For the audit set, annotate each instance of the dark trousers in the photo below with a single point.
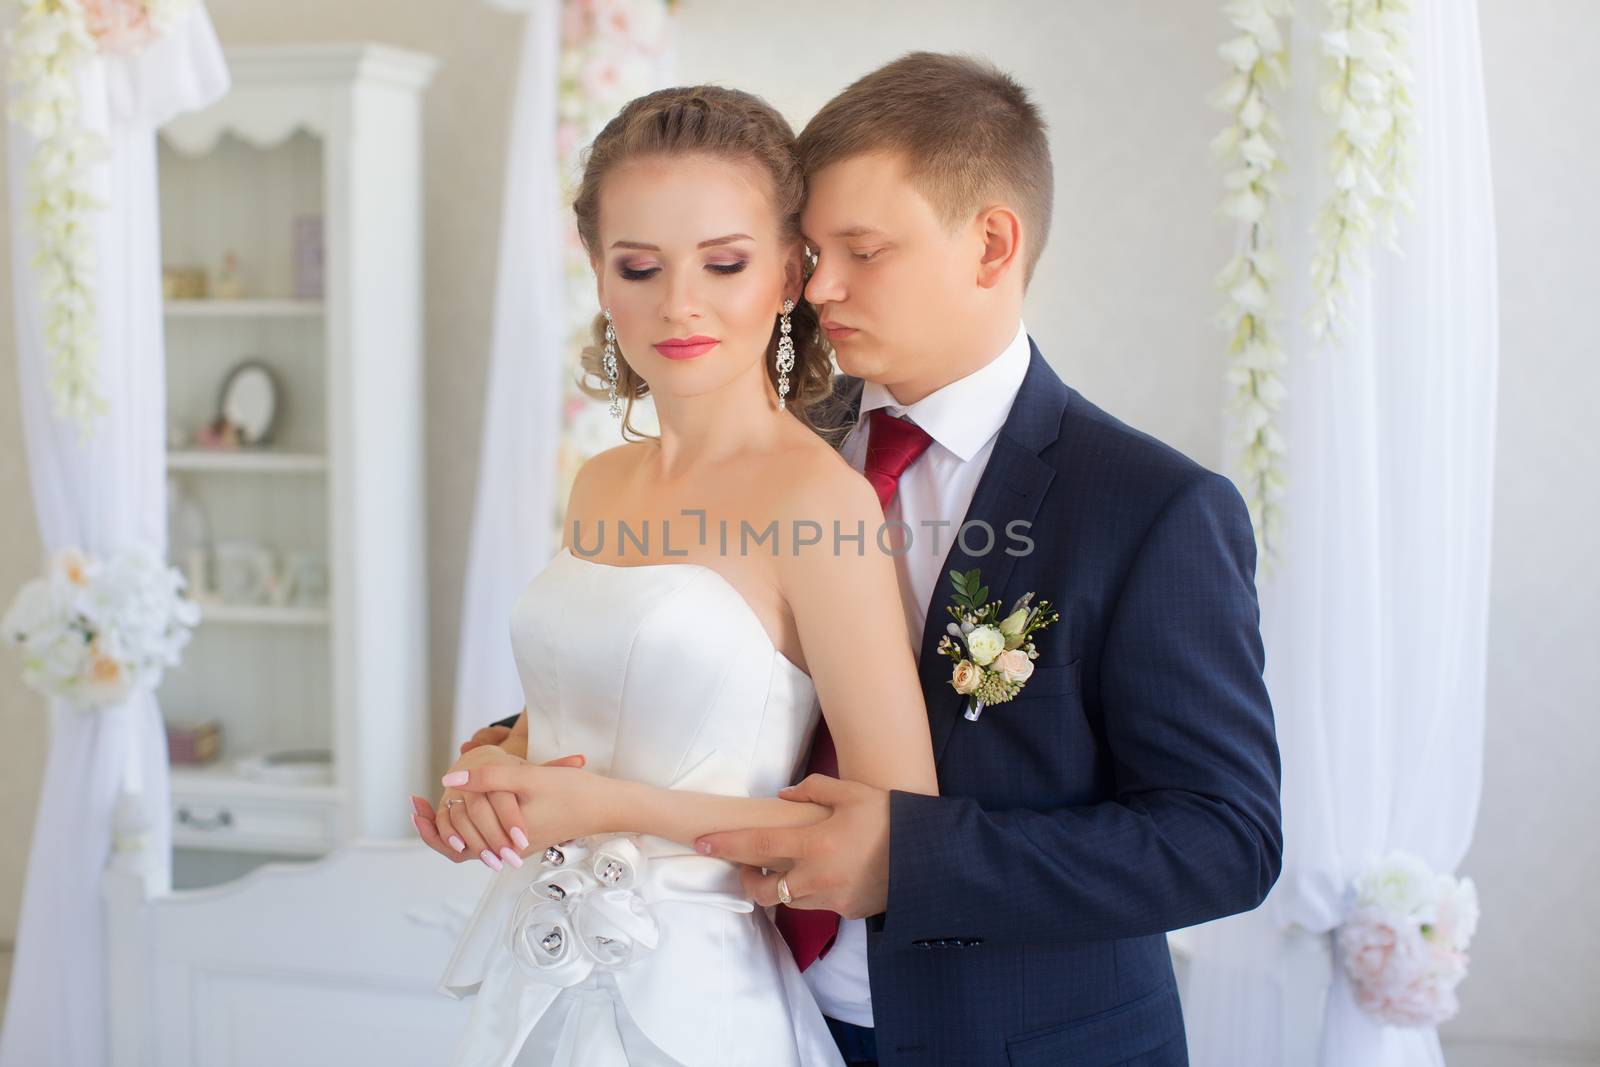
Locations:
(858, 1044)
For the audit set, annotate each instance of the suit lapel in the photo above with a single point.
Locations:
(1010, 489)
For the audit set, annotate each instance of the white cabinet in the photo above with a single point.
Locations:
(329, 132)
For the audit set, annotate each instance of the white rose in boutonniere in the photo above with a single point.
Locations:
(985, 643)
(993, 656)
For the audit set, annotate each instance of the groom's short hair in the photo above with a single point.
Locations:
(968, 132)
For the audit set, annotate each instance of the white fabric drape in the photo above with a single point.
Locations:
(102, 497)
(1375, 620)
(513, 515)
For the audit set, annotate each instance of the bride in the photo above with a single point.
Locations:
(714, 585)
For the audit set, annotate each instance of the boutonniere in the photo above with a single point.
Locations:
(993, 655)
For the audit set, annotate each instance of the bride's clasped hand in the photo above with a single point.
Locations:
(499, 803)
(492, 826)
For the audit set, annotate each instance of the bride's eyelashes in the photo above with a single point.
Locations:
(639, 274)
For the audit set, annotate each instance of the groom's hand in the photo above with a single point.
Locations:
(489, 735)
(839, 864)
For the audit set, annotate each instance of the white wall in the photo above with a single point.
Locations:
(1122, 304)
(1533, 996)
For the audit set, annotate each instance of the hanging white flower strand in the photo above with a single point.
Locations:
(1368, 95)
(49, 45)
(1258, 59)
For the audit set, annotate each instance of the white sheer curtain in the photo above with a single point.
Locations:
(101, 496)
(514, 513)
(1375, 621)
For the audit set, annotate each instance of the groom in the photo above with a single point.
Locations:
(1132, 787)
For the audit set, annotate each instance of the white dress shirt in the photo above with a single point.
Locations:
(963, 418)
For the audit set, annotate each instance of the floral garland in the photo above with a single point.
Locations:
(1368, 95)
(49, 46)
(1258, 59)
(608, 51)
(1371, 160)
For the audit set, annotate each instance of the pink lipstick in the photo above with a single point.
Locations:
(686, 347)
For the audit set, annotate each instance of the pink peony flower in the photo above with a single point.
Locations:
(121, 27)
(1367, 942)
(1423, 1002)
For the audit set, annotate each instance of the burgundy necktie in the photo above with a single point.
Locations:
(892, 446)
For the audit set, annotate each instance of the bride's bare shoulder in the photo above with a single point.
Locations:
(614, 463)
(599, 476)
(818, 483)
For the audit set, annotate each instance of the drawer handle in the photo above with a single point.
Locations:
(224, 818)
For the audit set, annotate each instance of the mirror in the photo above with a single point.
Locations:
(250, 402)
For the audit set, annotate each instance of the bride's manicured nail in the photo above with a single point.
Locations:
(457, 844)
(703, 847)
(519, 837)
(489, 858)
(511, 857)
(454, 778)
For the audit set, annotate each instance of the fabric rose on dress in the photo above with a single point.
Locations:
(583, 911)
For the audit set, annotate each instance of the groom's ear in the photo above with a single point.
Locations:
(1000, 233)
(794, 273)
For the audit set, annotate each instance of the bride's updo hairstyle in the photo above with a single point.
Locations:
(706, 120)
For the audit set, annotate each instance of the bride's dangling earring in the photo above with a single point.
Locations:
(609, 362)
(785, 354)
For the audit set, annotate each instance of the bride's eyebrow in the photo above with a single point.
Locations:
(640, 246)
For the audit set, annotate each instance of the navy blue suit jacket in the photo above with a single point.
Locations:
(1130, 789)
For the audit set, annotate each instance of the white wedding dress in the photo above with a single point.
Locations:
(631, 949)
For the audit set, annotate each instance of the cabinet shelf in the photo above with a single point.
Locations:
(221, 780)
(263, 615)
(244, 309)
(253, 462)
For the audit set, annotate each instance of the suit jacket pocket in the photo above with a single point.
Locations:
(1053, 680)
(1103, 1040)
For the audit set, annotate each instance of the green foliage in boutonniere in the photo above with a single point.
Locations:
(993, 655)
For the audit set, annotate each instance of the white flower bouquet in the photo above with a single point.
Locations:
(1404, 943)
(93, 632)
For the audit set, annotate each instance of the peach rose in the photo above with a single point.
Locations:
(966, 677)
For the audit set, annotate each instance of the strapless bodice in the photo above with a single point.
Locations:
(658, 673)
